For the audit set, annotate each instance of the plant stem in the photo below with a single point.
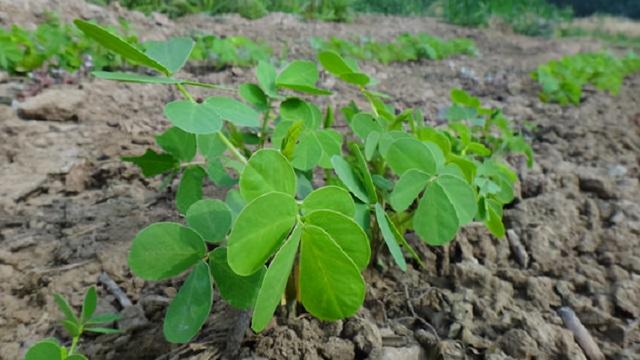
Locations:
(232, 148)
(74, 344)
(185, 93)
(187, 164)
(265, 123)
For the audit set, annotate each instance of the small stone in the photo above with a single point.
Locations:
(338, 349)
(53, 105)
(132, 318)
(626, 295)
(414, 352)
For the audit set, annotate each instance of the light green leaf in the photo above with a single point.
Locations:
(163, 250)
(363, 124)
(334, 64)
(478, 148)
(211, 145)
(331, 198)
(172, 53)
(493, 219)
(388, 138)
(135, 78)
(371, 144)
(267, 170)
(461, 196)
(259, 230)
(44, 350)
(389, 238)
(331, 142)
(362, 169)
(435, 220)
(72, 328)
(407, 189)
(345, 232)
(331, 286)
(153, 163)
(89, 304)
(436, 137)
(349, 178)
(193, 117)
(65, 308)
(275, 281)
(300, 75)
(211, 218)
(217, 173)
(239, 291)
(233, 111)
(178, 143)
(235, 202)
(191, 307)
(254, 95)
(295, 109)
(266, 74)
(308, 152)
(118, 45)
(101, 330)
(190, 188)
(408, 153)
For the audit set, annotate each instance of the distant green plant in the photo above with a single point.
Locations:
(50, 349)
(59, 45)
(615, 39)
(405, 47)
(393, 7)
(283, 234)
(229, 51)
(562, 80)
(529, 17)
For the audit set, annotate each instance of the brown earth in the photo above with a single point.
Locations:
(69, 209)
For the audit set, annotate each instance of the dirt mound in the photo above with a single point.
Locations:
(69, 209)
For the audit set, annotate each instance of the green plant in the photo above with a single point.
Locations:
(87, 321)
(282, 234)
(228, 51)
(405, 47)
(562, 80)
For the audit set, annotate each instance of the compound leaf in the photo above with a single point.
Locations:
(163, 250)
(191, 307)
(239, 291)
(275, 281)
(266, 171)
(259, 230)
(331, 286)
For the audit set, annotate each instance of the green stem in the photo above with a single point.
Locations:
(265, 124)
(74, 344)
(185, 93)
(232, 148)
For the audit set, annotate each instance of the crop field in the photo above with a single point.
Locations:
(318, 179)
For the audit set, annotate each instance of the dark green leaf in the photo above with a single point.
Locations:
(65, 308)
(210, 218)
(239, 291)
(44, 350)
(89, 304)
(190, 188)
(152, 163)
(178, 143)
(254, 95)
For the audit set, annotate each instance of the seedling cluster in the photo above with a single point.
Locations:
(308, 207)
(405, 47)
(87, 321)
(562, 80)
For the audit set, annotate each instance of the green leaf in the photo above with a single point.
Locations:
(308, 151)
(135, 78)
(389, 237)
(259, 230)
(435, 220)
(178, 143)
(408, 153)
(210, 218)
(172, 53)
(65, 308)
(331, 142)
(300, 75)
(193, 117)
(266, 74)
(44, 350)
(234, 200)
(118, 45)
(233, 111)
(218, 174)
(72, 328)
(211, 145)
(191, 307)
(275, 281)
(89, 304)
(163, 250)
(467, 166)
(371, 144)
(331, 286)
(478, 148)
(436, 137)
(103, 319)
(330, 198)
(334, 64)
(254, 95)
(295, 109)
(363, 124)
(102, 330)
(349, 178)
(388, 138)
(267, 170)
(153, 163)
(407, 189)
(362, 168)
(239, 291)
(493, 220)
(190, 188)
(461, 196)
(345, 232)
